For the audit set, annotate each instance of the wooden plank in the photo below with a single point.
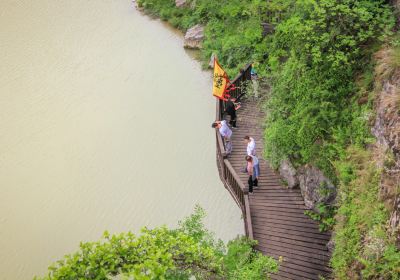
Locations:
(306, 263)
(263, 194)
(260, 205)
(296, 245)
(265, 241)
(282, 217)
(293, 232)
(285, 225)
(300, 255)
(269, 200)
(302, 270)
(300, 240)
(263, 245)
(274, 207)
(275, 197)
(294, 228)
(289, 216)
(278, 191)
(297, 274)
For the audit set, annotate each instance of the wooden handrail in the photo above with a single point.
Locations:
(247, 218)
(220, 143)
(235, 175)
(228, 174)
(241, 74)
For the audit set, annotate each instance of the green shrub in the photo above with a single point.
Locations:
(233, 29)
(314, 57)
(162, 253)
(325, 215)
(362, 245)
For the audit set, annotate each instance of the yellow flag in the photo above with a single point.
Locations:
(220, 80)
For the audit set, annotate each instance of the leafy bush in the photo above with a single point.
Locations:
(243, 262)
(233, 31)
(162, 253)
(363, 249)
(324, 215)
(314, 57)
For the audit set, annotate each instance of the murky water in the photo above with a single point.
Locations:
(104, 125)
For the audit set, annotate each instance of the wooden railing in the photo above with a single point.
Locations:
(230, 178)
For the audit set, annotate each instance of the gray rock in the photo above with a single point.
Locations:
(387, 122)
(396, 5)
(331, 244)
(180, 3)
(394, 221)
(384, 114)
(387, 132)
(315, 187)
(212, 59)
(194, 37)
(289, 174)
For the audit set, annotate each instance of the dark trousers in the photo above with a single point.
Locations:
(232, 122)
(252, 183)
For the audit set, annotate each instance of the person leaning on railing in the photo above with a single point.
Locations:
(231, 108)
(226, 133)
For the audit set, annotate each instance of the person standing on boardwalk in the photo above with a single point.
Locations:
(253, 170)
(254, 79)
(256, 168)
(226, 133)
(230, 109)
(251, 145)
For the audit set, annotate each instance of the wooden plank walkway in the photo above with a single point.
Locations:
(277, 213)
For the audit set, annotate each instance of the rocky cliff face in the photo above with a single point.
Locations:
(386, 129)
(289, 174)
(315, 187)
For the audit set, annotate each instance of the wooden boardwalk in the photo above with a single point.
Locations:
(277, 213)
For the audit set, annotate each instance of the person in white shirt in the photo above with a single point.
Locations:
(251, 145)
(225, 132)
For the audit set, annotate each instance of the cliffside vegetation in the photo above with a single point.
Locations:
(318, 59)
(162, 253)
(233, 29)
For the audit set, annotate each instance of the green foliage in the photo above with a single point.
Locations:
(162, 253)
(315, 54)
(233, 29)
(363, 249)
(325, 215)
(317, 50)
(243, 262)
